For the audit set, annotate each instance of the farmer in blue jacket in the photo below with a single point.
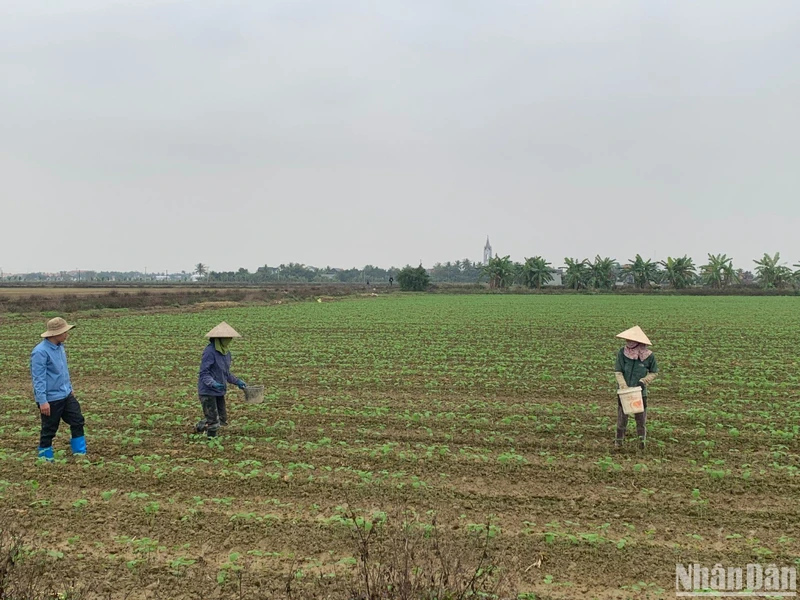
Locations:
(52, 390)
(215, 372)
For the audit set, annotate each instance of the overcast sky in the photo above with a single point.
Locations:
(158, 134)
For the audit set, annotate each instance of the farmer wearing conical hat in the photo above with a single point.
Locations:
(636, 366)
(215, 372)
(52, 389)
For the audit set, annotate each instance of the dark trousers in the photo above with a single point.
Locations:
(215, 414)
(622, 423)
(68, 410)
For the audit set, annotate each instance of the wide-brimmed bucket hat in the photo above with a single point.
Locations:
(223, 330)
(635, 334)
(56, 327)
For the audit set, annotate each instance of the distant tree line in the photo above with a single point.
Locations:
(289, 273)
(601, 273)
(98, 277)
(459, 271)
(297, 273)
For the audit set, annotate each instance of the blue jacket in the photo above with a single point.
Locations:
(214, 367)
(49, 372)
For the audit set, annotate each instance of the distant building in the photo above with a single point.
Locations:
(331, 274)
(558, 278)
(487, 252)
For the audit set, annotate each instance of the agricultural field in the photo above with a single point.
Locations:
(17, 291)
(467, 434)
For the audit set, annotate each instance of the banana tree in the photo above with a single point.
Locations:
(645, 272)
(500, 271)
(578, 273)
(719, 272)
(772, 274)
(603, 273)
(536, 272)
(679, 272)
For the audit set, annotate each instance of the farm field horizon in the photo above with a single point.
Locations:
(488, 419)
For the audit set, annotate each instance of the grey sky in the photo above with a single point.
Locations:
(160, 134)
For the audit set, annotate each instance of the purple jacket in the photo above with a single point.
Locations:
(214, 367)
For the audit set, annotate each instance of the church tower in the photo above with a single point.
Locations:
(487, 252)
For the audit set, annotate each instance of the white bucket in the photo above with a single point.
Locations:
(631, 400)
(254, 394)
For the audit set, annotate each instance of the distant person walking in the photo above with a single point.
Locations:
(52, 390)
(215, 371)
(635, 366)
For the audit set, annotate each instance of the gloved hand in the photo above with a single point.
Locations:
(220, 387)
(620, 380)
(240, 384)
(648, 379)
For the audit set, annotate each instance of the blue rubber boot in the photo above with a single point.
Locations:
(78, 445)
(46, 453)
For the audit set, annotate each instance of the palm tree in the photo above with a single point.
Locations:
(578, 273)
(644, 272)
(719, 271)
(603, 272)
(500, 271)
(771, 274)
(200, 269)
(536, 272)
(679, 272)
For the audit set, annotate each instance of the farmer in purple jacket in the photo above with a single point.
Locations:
(215, 372)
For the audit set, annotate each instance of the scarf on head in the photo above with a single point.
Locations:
(636, 351)
(223, 345)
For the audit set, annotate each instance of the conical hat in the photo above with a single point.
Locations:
(223, 330)
(635, 334)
